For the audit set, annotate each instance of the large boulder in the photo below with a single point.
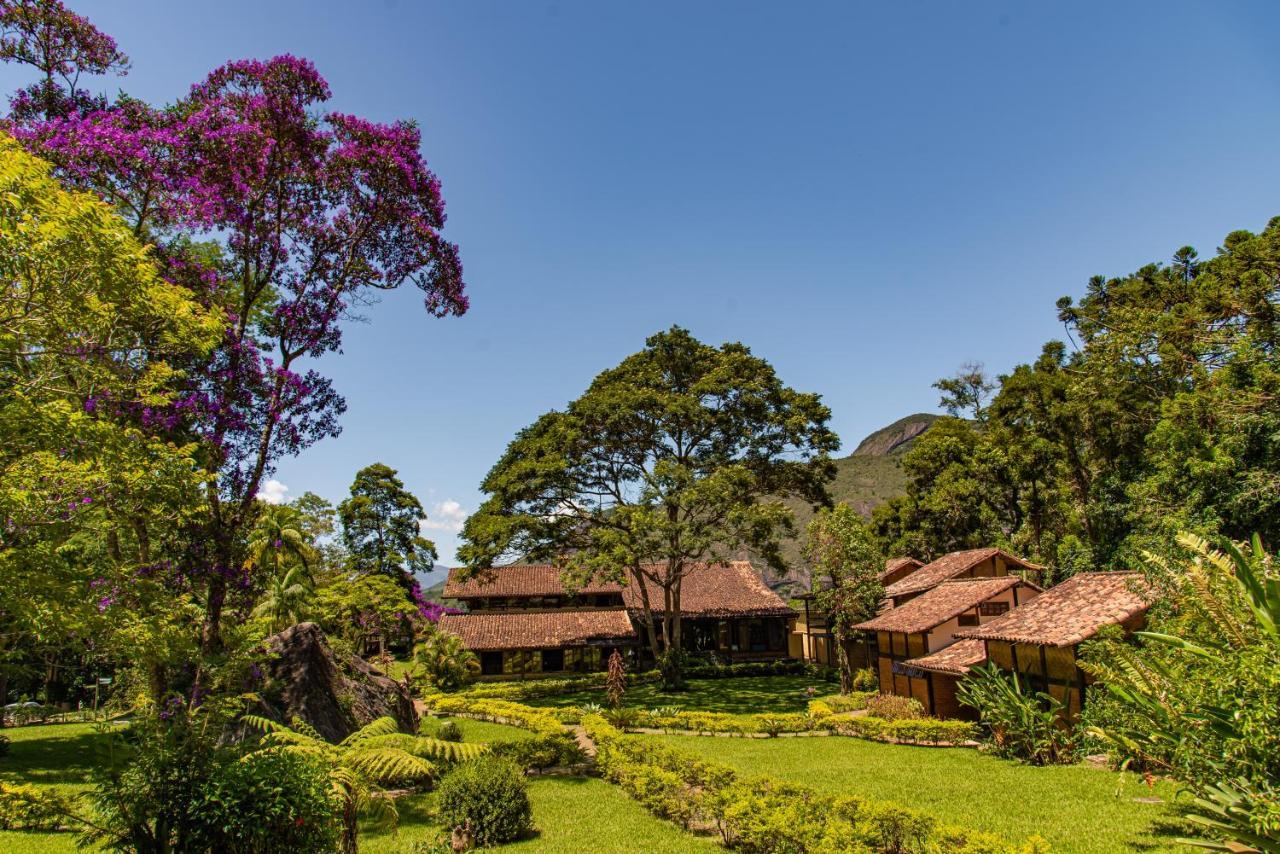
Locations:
(333, 692)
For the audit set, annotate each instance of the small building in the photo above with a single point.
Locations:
(521, 619)
(929, 622)
(1041, 639)
(973, 563)
(812, 638)
(944, 669)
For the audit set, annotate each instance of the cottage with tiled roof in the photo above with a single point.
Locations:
(522, 620)
(928, 623)
(1040, 640)
(972, 563)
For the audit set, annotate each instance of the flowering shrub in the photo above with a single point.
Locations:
(891, 707)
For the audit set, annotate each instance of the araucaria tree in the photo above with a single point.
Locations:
(846, 564)
(268, 210)
(380, 527)
(679, 456)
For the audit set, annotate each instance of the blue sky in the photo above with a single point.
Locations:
(867, 195)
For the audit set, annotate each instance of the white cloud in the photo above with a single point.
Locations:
(445, 516)
(273, 492)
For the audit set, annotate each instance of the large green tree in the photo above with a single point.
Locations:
(380, 527)
(846, 564)
(679, 456)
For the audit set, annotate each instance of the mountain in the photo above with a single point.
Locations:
(865, 479)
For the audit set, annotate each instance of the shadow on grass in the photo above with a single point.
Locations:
(57, 759)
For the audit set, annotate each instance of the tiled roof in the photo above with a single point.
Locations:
(1071, 612)
(516, 581)
(957, 658)
(949, 566)
(708, 590)
(897, 564)
(933, 608)
(495, 630)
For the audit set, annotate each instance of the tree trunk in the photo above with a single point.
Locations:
(842, 659)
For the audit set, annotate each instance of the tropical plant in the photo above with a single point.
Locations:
(1020, 723)
(278, 541)
(615, 685)
(287, 598)
(443, 660)
(365, 763)
(1200, 698)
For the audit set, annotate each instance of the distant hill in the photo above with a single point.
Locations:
(865, 479)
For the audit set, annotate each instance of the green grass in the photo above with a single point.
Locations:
(1075, 808)
(571, 814)
(58, 756)
(742, 695)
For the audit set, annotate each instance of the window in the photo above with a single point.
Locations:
(992, 609)
(552, 660)
(968, 619)
(491, 663)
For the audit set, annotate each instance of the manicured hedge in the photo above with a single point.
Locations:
(912, 730)
(764, 816)
(498, 711)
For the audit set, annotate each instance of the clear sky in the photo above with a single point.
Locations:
(866, 195)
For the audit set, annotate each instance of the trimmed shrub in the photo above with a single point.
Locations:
(487, 800)
(853, 702)
(498, 711)
(917, 730)
(866, 680)
(449, 731)
(545, 751)
(891, 707)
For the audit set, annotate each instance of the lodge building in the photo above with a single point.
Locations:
(521, 620)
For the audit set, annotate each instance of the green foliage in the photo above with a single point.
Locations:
(544, 751)
(891, 707)
(487, 799)
(368, 611)
(845, 566)
(1031, 726)
(500, 711)
(444, 662)
(30, 808)
(268, 801)
(906, 730)
(680, 455)
(380, 524)
(449, 731)
(865, 679)
(1200, 698)
(615, 684)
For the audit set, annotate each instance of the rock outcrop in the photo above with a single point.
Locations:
(335, 693)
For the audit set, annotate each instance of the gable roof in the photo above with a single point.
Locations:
(1071, 612)
(944, 602)
(949, 566)
(708, 590)
(518, 580)
(498, 630)
(896, 565)
(955, 659)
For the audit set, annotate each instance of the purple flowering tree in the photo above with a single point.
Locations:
(281, 215)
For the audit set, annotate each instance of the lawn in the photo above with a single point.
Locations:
(740, 695)
(1076, 808)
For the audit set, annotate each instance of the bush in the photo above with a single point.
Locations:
(449, 731)
(891, 707)
(917, 730)
(545, 751)
(857, 701)
(25, 807)
(487, 799)
(444, 662)
(500, 711)
(866, 680)
(268, 801)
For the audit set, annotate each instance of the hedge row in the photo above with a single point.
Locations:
(540, 721)
(765, 816)
(912, 730)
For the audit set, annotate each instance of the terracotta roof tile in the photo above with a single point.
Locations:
(715, 590)
(957, 658)
(895, 566)
(949, 566)
(1071, 612)
(933, 608)
(495, 630)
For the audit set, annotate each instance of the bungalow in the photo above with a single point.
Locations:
(898, 568)
(974, 563)
(928, 624)
(812, 638)
(521, 620)
(1041, 640)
